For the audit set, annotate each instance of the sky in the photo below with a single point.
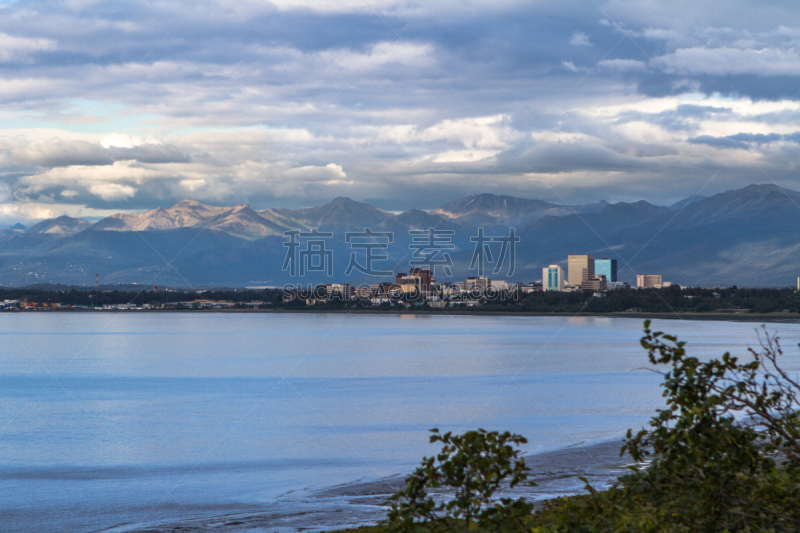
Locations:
(115, 106)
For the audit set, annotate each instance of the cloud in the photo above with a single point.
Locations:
(379, 55)
(14, 48)
(55, 152)
(193, 185)
(569, 65)
(622, 65)
(744, 140)
(579, 39)
(330, 174)
(725, 61)
(29, 211)
(401, 103)
(112, 191)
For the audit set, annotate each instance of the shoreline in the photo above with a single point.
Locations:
(787, 318)
(362, 502)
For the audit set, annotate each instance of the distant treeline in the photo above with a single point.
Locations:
(666, 300)
(82, 297)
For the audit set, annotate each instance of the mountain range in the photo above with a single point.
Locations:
(747, 237)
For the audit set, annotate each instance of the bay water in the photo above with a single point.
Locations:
(115, 420)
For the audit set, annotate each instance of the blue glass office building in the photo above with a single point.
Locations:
(607, 267)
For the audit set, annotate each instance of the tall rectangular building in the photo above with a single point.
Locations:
(579, 268)
(606, 267)
(553, 278)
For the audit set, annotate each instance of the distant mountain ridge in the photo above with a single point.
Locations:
(486, 210)
(62, 225)
(492, 210)
(748, 236)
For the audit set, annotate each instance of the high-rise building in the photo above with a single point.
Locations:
(553, 278)
(409, 284)
(648, 281)
(579, 268)
(606, 267)
(425, 277)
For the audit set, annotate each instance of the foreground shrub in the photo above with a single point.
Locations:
(470, 469)
(723, 455)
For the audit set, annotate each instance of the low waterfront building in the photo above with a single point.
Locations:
(648, 281)
(531, 287)
(595, 283)
(341, 291)
(365, 293)
(477, 284)
(500, 285)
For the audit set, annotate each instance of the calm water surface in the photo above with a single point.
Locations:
(126, 418)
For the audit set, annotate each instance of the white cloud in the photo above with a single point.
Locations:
(25, 211)
(464, 156)
(380, 54)
(331, 174)
(479, 132)
(622, 65)
(384, 7)
(731, 61)
(112, 191)
(19, 48)
(579, 39)
(120, 140)
(193, 185)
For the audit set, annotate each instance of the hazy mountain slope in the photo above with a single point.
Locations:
(75, 259)
(62, 225)
(155, 220)
(416, 219)
(489, 210)
(749, 236)
(188, 213)
(185, 213)
(677, 206)
(341, 214)
(615, 232)
(284, 220)
(244, 222)
(754, 200)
